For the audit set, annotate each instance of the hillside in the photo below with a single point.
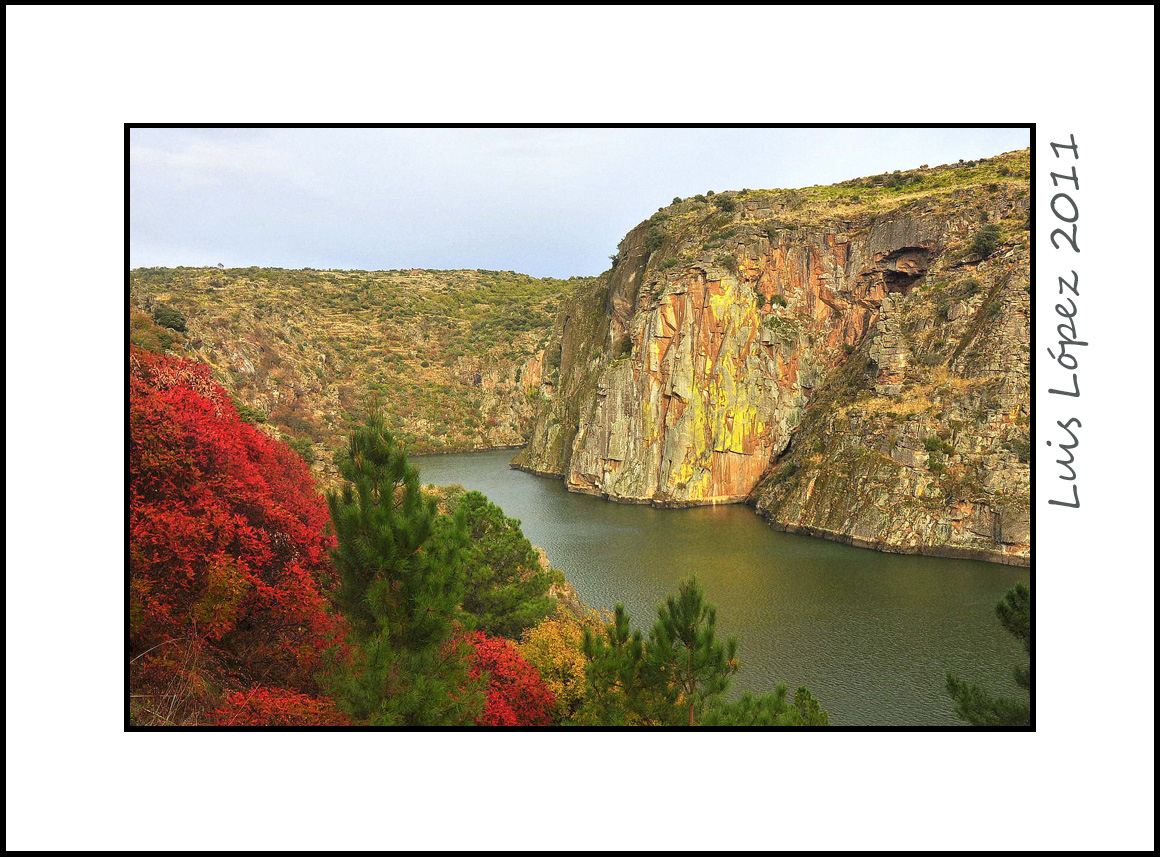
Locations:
(853, 360)
(454, 356)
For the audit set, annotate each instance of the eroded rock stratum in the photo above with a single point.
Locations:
(852, 360)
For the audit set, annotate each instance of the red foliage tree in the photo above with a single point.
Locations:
(276, 706)
(516, 695)
(228, 553)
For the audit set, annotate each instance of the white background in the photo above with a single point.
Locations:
(1084, 780)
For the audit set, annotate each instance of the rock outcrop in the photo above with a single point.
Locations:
(853, 363)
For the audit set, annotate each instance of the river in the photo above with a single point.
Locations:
(872, 635)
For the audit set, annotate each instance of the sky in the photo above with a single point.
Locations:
(541, 201)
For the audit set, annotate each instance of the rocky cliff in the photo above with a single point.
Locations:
(853, 360)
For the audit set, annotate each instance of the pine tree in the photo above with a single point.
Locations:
(505, 589)
(400, 584)
(768, 709)
(680, 675)
(684, 652)
(621, 690)
(977, 706)
(669, 680)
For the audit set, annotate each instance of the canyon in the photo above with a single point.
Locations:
(851, 360)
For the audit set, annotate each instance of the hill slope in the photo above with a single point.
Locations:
(453, 355)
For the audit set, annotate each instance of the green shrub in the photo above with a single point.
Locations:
(778, 300)
(505, 591)
(786, 472)
(167, 316)
(1022, 449)
(781, 330)
(145, 333)
(985, 240)
(303, 446)
(934, 444)
(724, 203)
(248, 414)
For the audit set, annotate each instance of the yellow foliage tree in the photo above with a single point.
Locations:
(555, 648)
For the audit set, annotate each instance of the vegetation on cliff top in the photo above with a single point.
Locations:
(687, 232)
(939, 187)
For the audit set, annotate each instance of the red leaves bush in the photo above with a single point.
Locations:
(229, 568)
(516, 695)
(275, 706)
(228, 554)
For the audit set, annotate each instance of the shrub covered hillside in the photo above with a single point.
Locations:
(453, 355)
(254, 602)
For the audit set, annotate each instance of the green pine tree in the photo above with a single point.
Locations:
(622, 691)
(400, 579)
(768, 709)
(680, 675)
(977, 706)
(505, 589)
(684, 653)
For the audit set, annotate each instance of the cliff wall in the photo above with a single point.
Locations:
(851, 360)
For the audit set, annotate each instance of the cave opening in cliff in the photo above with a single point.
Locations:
(900, 281)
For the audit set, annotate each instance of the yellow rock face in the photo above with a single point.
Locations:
(712, 385)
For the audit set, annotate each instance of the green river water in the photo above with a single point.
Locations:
(871, 634)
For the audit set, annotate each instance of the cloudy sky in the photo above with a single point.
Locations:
(548, 202)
